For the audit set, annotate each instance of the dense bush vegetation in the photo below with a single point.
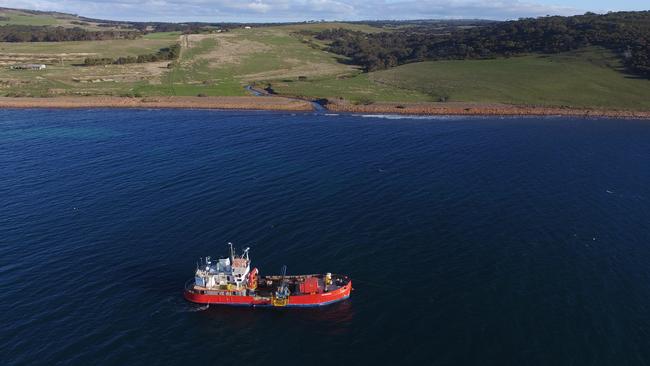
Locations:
(164, 54)
(28, 33)
(627, 33)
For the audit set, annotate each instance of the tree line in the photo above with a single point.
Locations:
(626, 33)
(164, 54)
(29, 33)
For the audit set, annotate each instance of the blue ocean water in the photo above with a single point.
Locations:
(491, 241)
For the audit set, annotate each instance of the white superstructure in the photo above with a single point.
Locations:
(226, 273)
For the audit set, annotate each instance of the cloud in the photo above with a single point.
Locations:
(293, 10)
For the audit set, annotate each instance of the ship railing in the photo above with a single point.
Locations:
(291, 277)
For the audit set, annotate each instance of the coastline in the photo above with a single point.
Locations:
(479, 109)
(233, 103)
(279, 103)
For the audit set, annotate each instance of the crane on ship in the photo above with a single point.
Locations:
(281, 295)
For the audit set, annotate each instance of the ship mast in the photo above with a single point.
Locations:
(244, 254)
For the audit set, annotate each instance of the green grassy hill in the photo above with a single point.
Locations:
(11, 18)
(223, 64)
(585, 78)
(40, 18)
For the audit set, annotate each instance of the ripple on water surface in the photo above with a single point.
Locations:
(469, 240)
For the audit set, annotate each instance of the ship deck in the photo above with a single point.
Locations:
(267, 285)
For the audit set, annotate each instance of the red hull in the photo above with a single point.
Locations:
(318, 299)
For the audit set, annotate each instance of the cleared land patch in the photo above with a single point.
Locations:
(63, 76)
(112, 48)
(224, 63)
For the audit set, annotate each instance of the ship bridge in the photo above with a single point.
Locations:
(226, 272)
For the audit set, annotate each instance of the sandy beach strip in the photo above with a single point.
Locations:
(238, 103)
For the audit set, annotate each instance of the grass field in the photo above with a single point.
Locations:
(112, 48)
(26, 19)
(64, 77)
(19, 17)
(584, 78)
(357, 87)
(223, 64)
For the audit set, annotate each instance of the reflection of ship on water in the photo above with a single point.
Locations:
(333, 320)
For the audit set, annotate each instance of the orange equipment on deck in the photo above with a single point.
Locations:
(310, 286)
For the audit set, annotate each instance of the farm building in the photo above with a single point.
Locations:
(28, 67)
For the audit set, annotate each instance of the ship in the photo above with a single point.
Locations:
(231, 281)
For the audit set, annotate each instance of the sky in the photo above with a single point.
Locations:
(301, 10)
